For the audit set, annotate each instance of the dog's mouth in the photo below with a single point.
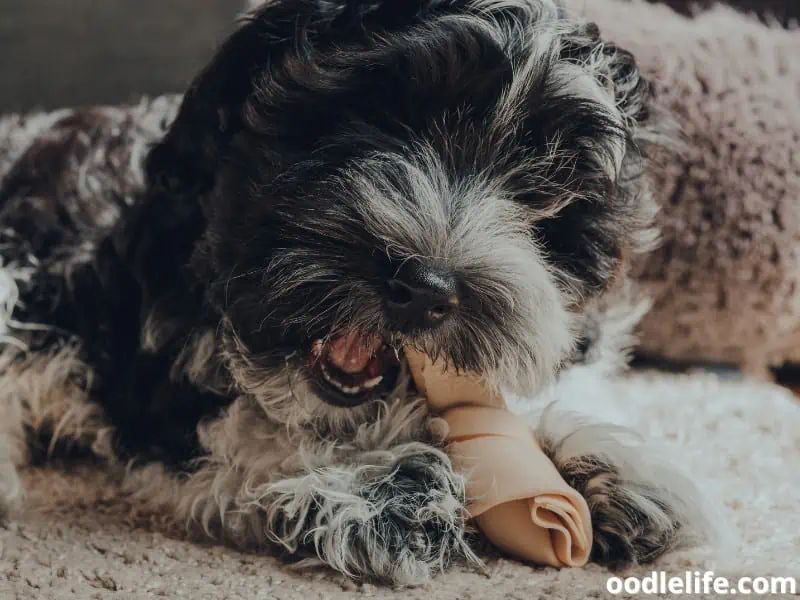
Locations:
(352, 369)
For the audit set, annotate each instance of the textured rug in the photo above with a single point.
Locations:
(740, 439)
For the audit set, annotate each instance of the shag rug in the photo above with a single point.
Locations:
(739, 438)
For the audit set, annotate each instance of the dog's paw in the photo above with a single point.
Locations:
(642, 504)
(418, 524)
(632, 523)
(391, 516)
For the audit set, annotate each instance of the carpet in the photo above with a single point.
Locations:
(741, 440)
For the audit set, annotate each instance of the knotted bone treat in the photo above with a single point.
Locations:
(517, 497)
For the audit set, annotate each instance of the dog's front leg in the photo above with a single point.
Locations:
(382, 503)
(642, 506)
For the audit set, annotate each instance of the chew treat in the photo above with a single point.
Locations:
(517, 497)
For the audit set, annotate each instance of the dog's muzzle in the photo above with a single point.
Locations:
(351, 368)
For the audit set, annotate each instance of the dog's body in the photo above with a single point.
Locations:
(228, 332)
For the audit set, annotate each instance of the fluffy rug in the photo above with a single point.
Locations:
(741, 440)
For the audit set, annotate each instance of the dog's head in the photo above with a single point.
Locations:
(461, 176)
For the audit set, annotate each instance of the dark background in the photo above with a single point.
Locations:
(67, 52)
(70, 52)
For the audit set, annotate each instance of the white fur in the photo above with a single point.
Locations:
(267, 484)
(11, 434)
(449, 222)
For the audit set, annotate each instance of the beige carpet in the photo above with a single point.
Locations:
(742, 440)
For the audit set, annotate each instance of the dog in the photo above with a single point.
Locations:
(346, 179)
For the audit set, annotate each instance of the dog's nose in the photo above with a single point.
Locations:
(421, 296)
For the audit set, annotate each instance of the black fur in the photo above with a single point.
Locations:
(242, 173)
(619, 541)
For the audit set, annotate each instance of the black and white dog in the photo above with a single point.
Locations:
(345, 179)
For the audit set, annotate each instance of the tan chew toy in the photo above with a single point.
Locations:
(518, 499)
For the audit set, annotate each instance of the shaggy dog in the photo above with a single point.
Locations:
(343, 180)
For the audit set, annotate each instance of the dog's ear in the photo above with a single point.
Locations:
(615, 68)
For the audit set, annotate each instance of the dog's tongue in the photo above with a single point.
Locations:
(352, 353)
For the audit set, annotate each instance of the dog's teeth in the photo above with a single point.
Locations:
(370, 384)
(325, 374)
(373, 382)
(338, 384)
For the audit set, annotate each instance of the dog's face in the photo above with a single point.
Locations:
(455, 175)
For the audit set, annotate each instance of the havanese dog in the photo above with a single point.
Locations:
(345, 179)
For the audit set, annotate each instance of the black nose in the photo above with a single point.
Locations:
(421, 296)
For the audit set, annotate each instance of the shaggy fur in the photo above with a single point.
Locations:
(171, 323)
